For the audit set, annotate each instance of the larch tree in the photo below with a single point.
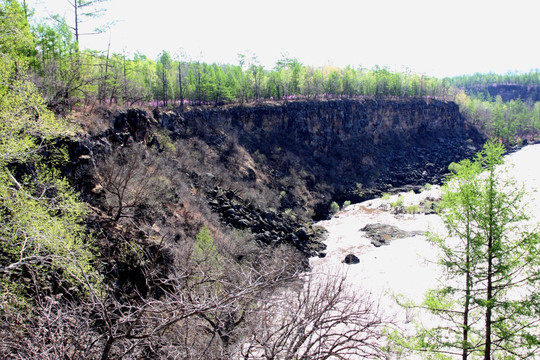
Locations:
(83, 10)
(164, 68)
(488, 304)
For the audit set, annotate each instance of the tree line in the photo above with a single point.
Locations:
(512, 121)
(67, 76)
(479, 79)
(175, 80)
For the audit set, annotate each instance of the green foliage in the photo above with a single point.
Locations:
(413, 209)
(345, 204)
(204, 249)
(334, 207)
(16, 39)
(359, 190)
(41, 218)
(478, 79)
(290, 214)
(164, 139)
(385, 196)
(429, 206)
(399, 201)
(490, 262)
(509, 121)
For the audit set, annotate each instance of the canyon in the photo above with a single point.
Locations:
(381, 143)
(272, 168)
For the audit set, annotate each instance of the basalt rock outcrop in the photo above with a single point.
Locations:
(380, 143)
(268, 227)
(299, 156)
(351, 259)
(383, 234)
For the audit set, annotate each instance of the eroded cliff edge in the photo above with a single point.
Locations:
(252, 174)
(331, 146)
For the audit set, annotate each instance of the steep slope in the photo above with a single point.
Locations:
(328, 147)
(265, 170)
(197, 217)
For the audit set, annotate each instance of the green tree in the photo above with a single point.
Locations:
(454, 302)
(181, 72)
(204, 249)
(16, 38)
(41, 218)
(164, 68)
(333, 85)
(489, 303)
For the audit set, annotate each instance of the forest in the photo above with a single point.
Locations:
(115, 253)
(70, 78)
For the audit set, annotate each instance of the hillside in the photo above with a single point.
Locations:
(310, 153)
(199, 215)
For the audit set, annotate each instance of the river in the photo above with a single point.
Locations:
(407, 266)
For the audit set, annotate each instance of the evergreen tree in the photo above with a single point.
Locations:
(489, 303)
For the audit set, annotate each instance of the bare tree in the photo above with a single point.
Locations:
(323, 320)
(126, 179)
(186, 315)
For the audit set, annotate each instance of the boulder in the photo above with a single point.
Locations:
(383, 234)
(351, 259)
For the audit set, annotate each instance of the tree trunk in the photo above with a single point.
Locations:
(466, 310)
(76, 14)
(490, 249)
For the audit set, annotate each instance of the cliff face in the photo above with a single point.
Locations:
(508, 92)
(263, 169)
(376, 142)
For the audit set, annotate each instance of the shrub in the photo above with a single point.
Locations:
(345, 204)
(359, 190)
(398, 202)
(164, 139)
(413, 209)
(334, 207)
(426, 187)
(290, 214)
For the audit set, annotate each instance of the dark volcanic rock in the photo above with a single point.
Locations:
(383, 234)
(374, 141)
(314, 152)
(132, 123)
(351, 259)
(268, 227)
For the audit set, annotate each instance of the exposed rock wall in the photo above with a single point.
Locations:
(298, 156)
(376, 142)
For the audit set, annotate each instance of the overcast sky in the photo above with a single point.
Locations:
(433, 37)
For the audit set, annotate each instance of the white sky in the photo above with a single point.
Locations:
(434, 37)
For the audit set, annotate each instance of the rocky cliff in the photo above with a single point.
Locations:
(262, 170)
(335, 145)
